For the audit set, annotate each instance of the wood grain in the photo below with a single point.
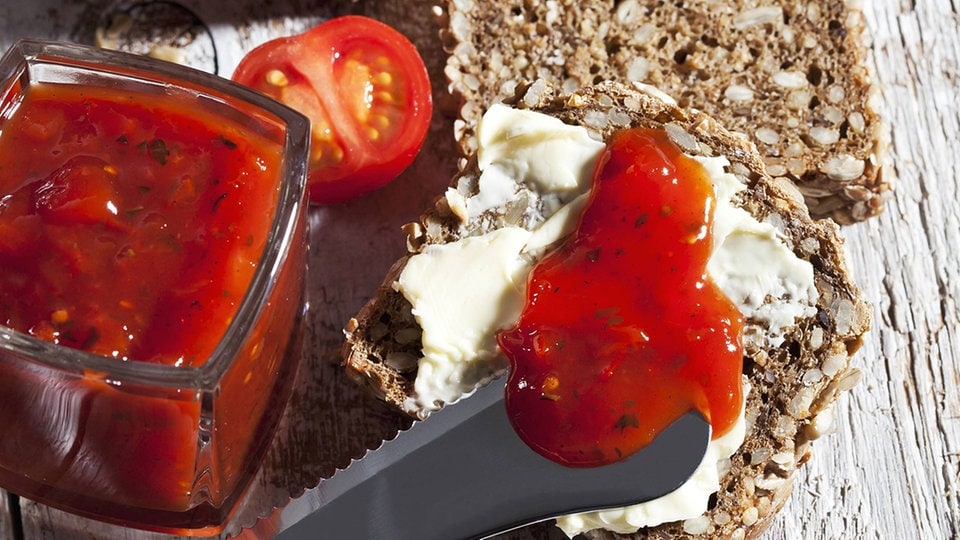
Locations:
(6, 520)
(892, 468)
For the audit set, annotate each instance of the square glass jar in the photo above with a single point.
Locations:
(148, 444)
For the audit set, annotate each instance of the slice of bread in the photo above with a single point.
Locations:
(791, 75)
(793, 385)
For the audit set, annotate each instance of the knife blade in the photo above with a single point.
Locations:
(464, 473)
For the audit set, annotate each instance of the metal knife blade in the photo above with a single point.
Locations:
(464, 473)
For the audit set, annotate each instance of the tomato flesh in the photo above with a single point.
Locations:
(623, 330)
(366, 91)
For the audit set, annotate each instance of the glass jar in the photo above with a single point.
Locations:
(156, 445)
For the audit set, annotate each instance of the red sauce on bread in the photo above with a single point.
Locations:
(128, 229)
(623, 331)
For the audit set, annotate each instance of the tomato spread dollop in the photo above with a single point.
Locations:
(623, 330)
(129, 227)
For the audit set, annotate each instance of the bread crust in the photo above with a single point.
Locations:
(793, 77)
(793, 385)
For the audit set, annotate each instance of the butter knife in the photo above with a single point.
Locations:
(464, 473)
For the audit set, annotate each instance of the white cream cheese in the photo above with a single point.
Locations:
(752, 265)
(542, 150)
(463, 292)
(523, 148)
(461, 295)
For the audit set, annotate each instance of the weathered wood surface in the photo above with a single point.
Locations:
(892, 468)
(6, 520)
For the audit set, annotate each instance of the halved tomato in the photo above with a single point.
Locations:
(366, 91)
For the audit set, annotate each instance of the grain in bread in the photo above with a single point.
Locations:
(793, 385)
(792, 76)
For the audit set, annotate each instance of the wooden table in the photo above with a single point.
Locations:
(891, 470)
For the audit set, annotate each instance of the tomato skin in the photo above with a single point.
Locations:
(366, 91)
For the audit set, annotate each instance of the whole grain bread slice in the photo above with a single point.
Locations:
(793, 76)
(793, 385)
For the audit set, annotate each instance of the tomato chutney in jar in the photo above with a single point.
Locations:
(152, 260)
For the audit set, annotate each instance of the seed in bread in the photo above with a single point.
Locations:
(791, 76)
(793, 382)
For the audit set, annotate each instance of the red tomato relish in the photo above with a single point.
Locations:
(128, 228)
(623, 331)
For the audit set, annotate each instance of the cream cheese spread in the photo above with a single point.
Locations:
(462, 293)
(752, 265)
(541, 150)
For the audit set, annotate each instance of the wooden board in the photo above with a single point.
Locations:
(891, 470)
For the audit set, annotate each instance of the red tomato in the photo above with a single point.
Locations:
(366, 91)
